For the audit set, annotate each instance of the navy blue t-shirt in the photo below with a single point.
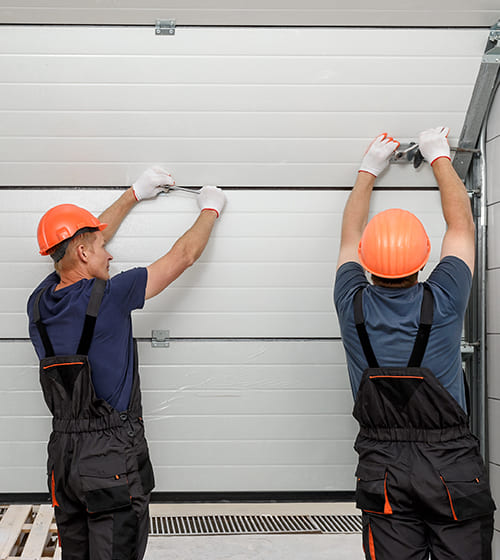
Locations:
(111, 352)
(392, 317)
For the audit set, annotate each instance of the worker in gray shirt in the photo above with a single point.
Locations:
(421, 481)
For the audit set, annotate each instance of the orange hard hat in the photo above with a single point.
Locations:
(394, 244)
(61, 223)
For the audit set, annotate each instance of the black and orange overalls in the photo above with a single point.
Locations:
(421, 481)
(99, 473)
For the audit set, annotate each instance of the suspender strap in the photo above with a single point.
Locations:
(88, 327)
(359, 320)
(49, 350)
(91, 316)
(424, 328)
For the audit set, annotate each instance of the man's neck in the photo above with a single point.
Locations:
(67, 278)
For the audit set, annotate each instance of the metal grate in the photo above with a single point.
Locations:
(345, 524)
(253, 524)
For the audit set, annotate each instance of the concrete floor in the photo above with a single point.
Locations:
(255, 547)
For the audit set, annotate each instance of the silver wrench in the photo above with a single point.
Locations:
(167, 188)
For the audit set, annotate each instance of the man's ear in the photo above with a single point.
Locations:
(81, 252)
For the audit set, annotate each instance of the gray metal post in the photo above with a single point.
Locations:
(474, 136)
(482, 94)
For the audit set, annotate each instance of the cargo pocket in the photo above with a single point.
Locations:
(104, 482)
(467, 490)
(371, 489)
(146, 473)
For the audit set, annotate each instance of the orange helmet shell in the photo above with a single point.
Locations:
(61, 223)
(394, 244)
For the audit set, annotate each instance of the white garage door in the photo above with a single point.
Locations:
(252, 393)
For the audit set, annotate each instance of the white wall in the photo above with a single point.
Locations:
(254, 395)
(493, 310)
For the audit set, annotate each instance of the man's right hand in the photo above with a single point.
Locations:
(433, 143)
(211, 198)
(150, 183)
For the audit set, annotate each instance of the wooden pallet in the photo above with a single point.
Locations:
(28, 532)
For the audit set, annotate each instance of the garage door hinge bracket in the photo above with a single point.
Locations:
(469, 347)
(494, 32)
(160, 339)
(165, 27)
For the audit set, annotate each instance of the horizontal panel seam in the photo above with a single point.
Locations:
(215, 339)
(224, 187)
(255, 26)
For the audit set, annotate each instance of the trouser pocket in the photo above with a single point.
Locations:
(104, 482)
(146, 472)
(371, 488)
(467, 490)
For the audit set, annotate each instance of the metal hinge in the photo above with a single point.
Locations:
(495, 32)
(165, 27)
(160, 339)
(469, 347)
(492, 56)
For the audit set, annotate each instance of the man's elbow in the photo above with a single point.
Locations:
(463, 224)
(189, 255)
(469, 227)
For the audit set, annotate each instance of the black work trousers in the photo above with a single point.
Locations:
(424, 500)
(411, 537)
(105, 536)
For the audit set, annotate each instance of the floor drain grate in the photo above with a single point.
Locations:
(345, 524)
(253, 524)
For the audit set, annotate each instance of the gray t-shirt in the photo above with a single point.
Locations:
(392, 317)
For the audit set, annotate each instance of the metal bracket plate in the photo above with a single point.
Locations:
(492, 56)
(160, 339)
(469, 347)
(165, 27)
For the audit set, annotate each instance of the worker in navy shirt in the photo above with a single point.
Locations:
(99, 473)
(421, 481)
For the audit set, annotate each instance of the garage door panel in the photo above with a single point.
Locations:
(367, 43)
(253, 392)
(258, 478)
(335, 427)
(214, 124)
(261, 406)
(265, 272)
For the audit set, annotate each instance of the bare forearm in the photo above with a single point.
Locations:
(358, 206)
(355, 218)
(454, 198)
(194, 241)
(185, 252)
(116, 213)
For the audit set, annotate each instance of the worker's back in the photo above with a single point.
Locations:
(392, 317)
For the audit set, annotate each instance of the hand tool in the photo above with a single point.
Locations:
(411, 153)
(168, 188)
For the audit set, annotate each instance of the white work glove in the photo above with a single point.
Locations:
(211, 198)
(150, 183)
(377, 155)
(433, 143)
